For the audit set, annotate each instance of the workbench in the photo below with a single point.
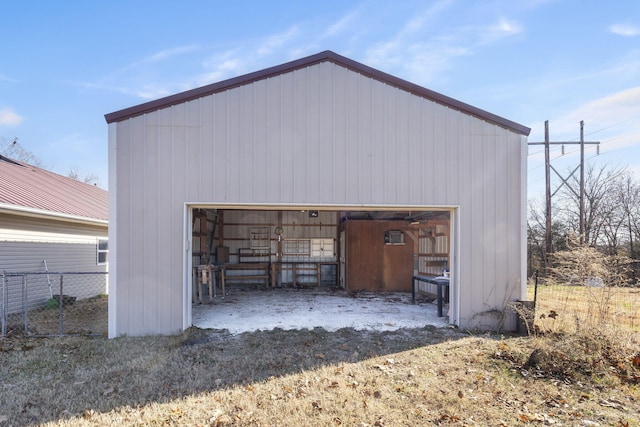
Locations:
(440, 282)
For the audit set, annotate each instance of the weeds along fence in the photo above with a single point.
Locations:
(47, 304)
(568, 308)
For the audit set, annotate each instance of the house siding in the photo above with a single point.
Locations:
(27, 242)
(322, 135)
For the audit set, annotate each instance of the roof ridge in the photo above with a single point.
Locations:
(10, 160)
(323, 56)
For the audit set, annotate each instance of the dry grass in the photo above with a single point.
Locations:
(84, 317)
(568, 308)
(412, 377)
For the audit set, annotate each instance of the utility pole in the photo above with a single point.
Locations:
(582, 182)
(565, 181)
(547, 175)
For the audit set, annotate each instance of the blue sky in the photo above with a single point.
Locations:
(64, 64)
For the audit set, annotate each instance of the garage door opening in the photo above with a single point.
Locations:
(331, 264)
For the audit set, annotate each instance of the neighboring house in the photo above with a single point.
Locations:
(53, 222)
(273, 167)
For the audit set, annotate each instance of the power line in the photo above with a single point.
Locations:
(611, 126)
(565, 181)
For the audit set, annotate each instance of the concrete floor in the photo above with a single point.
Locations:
(250, 309)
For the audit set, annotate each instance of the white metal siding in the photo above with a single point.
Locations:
(322, 135)
(61, 257)
(25, 243)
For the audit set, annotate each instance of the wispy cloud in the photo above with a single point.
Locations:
(147, 78)
(4, 78)
(551, 87)
(626, 30)
(153, 91)
(500, 30)
(409, 29)
(144, 91)
(625, 70)
(222, 65)
(409, 46)
(277, 41)
(246, 58)
(426, 62)
(342, 25)
(421, 48)
(9, 117)
(133, 78)
(424, 48)
(162, 55)
(614, 120)
(422, 20)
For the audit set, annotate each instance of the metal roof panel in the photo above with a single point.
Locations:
(27, 186)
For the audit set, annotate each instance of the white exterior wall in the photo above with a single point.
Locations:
(318, 136)
(26, 242)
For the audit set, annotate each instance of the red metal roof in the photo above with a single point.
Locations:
(45, 192)
(306, 62)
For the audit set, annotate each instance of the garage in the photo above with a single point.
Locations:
(318, 172)
(237, 254)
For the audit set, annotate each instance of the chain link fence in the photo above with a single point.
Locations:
(47, 304)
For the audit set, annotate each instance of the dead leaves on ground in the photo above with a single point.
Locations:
(447, 417)
(591, 365)
(365, 389)
(460, 382)
(538, 418)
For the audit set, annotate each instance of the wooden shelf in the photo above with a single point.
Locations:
(247, 267)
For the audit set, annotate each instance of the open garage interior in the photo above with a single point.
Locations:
(317, 268)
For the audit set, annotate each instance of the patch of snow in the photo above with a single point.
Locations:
(265, 309)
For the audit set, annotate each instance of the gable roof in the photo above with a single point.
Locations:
(33, 191)
(306, 62)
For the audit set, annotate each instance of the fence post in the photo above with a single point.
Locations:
(535, 290)
(61, 306)
(2, 304)
(25, 303)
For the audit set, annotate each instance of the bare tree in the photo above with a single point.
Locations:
(90, 178)
(630, 203)
(15, 151)
(601, 207)
(611, 222)
(536, 257)
(581, 263)
(536, 236)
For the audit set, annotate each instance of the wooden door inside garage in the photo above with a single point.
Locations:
(373, 264)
